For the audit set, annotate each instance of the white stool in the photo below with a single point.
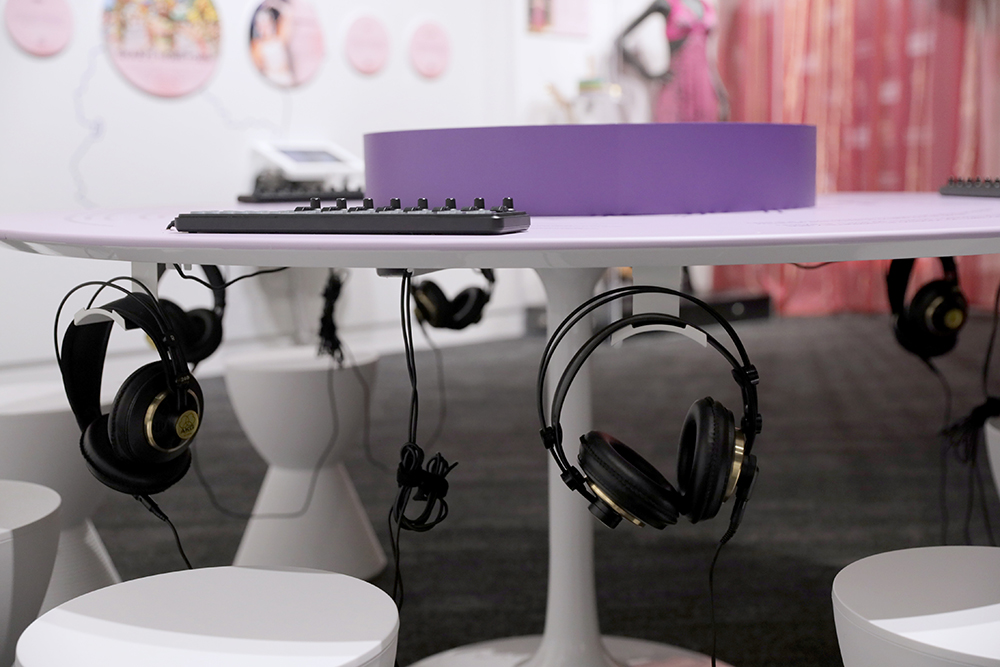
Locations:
(40, 442)
(29, 535)
(219, 617)
(927, 607)
(282, 400)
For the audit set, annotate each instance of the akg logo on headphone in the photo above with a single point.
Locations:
(187, 425)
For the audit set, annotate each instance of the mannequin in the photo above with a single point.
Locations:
(691, 89)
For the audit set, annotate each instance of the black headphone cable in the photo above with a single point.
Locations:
(330, 344)
(205, 283)
(963, 439)
(427, 485)
(744, 489)
(313, 480)
(155, 510)
(442, 387)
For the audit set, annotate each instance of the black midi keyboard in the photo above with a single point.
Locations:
(365, 219)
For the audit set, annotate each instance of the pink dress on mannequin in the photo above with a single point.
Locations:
(690, 95)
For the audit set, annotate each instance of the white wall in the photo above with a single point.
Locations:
(74, 133)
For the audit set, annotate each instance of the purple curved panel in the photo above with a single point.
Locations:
(599, 169)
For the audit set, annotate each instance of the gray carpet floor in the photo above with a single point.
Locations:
(850, 467)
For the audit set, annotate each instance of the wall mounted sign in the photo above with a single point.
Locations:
(367, 45)
(430, 51)
(563, 17)
(286, 42)
(166, 49)
(40, 27)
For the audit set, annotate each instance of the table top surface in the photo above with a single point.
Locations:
(842, 226)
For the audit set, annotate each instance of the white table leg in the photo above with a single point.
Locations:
(571, 637)
(147, 274)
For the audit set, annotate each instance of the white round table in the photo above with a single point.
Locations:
(569, 254)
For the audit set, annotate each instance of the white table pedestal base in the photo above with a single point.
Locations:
(515, 651)
(572, 636)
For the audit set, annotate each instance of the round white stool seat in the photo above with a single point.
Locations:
(926, 607)
(29, 536)
(217, 617)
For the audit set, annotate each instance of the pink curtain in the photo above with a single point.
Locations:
(903, 93)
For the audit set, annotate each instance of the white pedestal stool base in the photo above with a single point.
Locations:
(333, 534)
(299, 410)
(82, 565)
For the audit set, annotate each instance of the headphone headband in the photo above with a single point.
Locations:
(218, 283)
(84, 350)
(750, 424)
(635, 321)
(714, 461)
(744, 373)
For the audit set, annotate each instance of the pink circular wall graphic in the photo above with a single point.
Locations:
(429, 50)
(166, 49)
(367, 45)
(286, 42)
(40, 27)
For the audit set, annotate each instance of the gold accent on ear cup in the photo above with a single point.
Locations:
(188, 422)
(625, 513)
(954, 318)
(187, 425)
(739, 444)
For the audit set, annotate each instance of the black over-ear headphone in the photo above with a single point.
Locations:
(200, 329)
(437, 310)
(928, 326)
(714, 460)
(141, 447)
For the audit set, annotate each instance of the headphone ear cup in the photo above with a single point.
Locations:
(146, 390)
(205, 328)
(923, 328)
(467, 307)
(705, 457)
(132, 478)
(628, 480)
(432, 304)
(905, 338)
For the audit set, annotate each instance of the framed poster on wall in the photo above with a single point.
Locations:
(563, 17)
(366, 45)
(286, 41)
(167, 49)
(430, 50)
(39, 27)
